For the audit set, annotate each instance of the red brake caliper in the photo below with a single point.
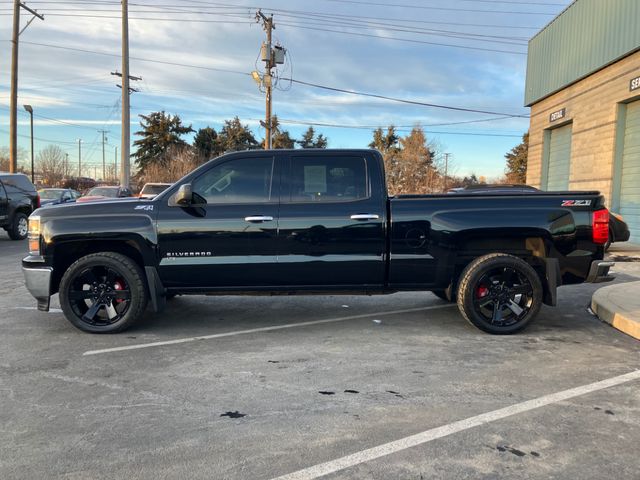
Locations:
(118, 286)
(482, 291)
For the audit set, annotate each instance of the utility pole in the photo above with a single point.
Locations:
(446, 168)
(268, 58)
(104, 168)
(126, 122)
(79, 157)
(13, 108)
(115, 164)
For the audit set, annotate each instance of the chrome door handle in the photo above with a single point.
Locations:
(258, 218)
(365, 216)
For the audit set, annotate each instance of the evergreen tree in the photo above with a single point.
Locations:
(415, 163)
(234, 136)
(517, 161)
(385, 142)
(206, 143)
(159, 132)
(280, 138)
(309, 140)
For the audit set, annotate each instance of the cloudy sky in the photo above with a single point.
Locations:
(194, 57)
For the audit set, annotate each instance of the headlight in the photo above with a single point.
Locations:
(34, 235)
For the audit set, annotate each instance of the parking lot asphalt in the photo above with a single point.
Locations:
(343, 388)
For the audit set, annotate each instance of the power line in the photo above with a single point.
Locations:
(401, 100)
(308, 14)
(315, 85)
(402, 128)
(424, 42)
(369, 127)
(424, 7)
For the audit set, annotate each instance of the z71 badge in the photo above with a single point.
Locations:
(576, 203)
(144, 207)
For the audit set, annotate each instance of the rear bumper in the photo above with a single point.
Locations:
(38, 282)
(599, 272)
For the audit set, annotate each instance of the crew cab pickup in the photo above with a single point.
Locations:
(313, 222)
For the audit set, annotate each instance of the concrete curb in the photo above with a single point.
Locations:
(619, 306)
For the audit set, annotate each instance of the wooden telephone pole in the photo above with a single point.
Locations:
(267, 57)
(13, 109)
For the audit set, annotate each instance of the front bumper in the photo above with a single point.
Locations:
(38, 282)
(599, 272)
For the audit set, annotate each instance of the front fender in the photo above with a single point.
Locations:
(137, 230)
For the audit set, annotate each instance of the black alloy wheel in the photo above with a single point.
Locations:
(503, 296)
(499, 293)
(103, 293)
(100, 295)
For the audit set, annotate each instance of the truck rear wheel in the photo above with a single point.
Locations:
(499, 293)
(103, 293)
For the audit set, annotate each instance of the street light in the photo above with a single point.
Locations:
(79, 157)
(29, 109)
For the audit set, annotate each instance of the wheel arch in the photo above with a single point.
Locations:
(531, 245)
(67, 252)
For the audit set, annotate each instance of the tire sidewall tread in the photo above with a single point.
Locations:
(137, 286)
(471, 274)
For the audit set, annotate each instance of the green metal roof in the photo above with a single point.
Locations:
(586, 36)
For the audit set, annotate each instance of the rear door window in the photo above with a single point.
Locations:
(328, 179)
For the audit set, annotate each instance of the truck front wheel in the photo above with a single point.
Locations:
(499, 293)
(103, 293)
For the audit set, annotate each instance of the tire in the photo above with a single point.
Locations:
(19, 228)
(103, 293)
(499, 294)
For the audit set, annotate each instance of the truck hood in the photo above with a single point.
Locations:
(132, 206)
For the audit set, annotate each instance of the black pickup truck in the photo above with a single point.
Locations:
(309, 222)
(18, 198)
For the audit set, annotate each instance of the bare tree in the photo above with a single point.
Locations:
(111, 176)
(4, 159)
(176, 163)
(52, 165)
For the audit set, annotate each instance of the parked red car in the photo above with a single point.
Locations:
(105, 193)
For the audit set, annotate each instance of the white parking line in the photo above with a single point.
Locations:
(369, 454)
(262, 329)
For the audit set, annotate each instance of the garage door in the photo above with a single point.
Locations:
(630, 178)
(559, 158)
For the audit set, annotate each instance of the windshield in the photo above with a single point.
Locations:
(50, 194)
(103, 192)
(153, 189)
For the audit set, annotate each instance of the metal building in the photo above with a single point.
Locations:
(583, 87)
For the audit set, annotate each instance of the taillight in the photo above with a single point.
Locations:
(37, 201)
(600, 226)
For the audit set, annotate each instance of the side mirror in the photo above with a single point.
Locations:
(185, 197)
